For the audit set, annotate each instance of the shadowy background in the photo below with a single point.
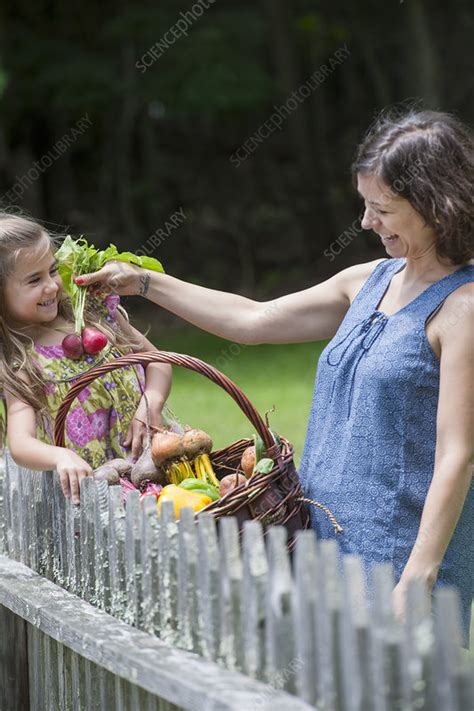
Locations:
(161, 140)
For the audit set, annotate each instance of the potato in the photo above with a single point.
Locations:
(248, 461)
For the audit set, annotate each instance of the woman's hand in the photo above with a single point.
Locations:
(399, 595)
(71, 469)
(118, 277)
(136, 437)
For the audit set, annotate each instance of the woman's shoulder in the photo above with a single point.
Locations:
(357, 275)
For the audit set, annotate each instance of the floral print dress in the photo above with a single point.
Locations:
(98, 420)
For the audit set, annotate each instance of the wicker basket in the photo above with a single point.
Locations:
(274, 498)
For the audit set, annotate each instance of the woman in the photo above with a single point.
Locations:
(389, 446)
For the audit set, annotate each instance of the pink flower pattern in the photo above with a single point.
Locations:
(99, 418)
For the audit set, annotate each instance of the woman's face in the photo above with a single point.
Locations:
(401, 228)
(33, 289)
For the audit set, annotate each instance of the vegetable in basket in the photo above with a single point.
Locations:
(173, 453)
(183, 499)
(192, 484)
(76, 257)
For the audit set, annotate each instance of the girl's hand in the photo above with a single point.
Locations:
(118, 277)
(136, 437)
(71, 469)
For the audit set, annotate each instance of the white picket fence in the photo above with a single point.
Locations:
(124, 609)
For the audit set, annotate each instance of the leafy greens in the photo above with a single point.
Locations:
(76, 257)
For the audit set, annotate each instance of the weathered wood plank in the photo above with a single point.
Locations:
(388, 643)
(73, 547)
(208, 585)
(306, 611)
(133, 567)
(59, 534)
(116, 538)
(254, 586)
(280, 646)
(230, 635)
(357, 647)
(14, 683)
(129, 653)
(102, 592)
(168, 572)
(188, 629)
(12, 475)
(87, 539)
(44, 523)
(330, 647)
(150, 577)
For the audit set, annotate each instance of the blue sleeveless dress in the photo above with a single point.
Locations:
(370, 446)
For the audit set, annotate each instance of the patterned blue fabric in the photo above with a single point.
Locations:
(370, 446)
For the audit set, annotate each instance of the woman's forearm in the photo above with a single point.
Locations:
(443, 506)
(226, 315)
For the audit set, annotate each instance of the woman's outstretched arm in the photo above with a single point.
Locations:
(309, 315)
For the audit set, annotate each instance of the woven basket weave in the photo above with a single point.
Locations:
(274, 498)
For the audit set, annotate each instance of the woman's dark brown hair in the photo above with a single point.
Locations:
(427, 157)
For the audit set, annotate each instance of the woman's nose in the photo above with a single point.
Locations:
(369, 219)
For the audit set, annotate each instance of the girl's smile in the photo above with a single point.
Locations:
(32, 291)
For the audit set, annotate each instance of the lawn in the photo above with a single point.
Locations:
(280, 376)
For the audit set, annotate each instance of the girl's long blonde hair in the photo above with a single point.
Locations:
(16, 234)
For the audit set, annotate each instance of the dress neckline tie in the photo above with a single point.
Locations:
(370, 328)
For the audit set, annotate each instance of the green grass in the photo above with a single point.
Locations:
(280, 376)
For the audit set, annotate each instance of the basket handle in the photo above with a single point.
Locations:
(183, 361)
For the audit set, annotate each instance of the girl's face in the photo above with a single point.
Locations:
(33, 289)
(401, 228)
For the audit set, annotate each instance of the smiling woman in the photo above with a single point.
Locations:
(389, 446)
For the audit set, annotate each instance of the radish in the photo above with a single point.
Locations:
(72, 346)
(93, 340)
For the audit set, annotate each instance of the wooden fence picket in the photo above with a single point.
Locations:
(208, 586)
(150, 567)
(116, 538)
(168, 573)
(133, 566)
(254, 587)
(188, 629)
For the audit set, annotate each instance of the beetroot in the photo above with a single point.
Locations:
(93, 340)
(72, 346)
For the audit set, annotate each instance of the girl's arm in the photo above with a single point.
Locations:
(454, 458)
(29, 452)
(157, 389)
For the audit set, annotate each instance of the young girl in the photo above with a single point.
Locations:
(107, 419)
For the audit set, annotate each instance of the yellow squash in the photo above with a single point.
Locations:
(182, 499)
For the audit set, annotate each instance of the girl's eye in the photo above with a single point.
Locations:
(382, 212)
(54, 270)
